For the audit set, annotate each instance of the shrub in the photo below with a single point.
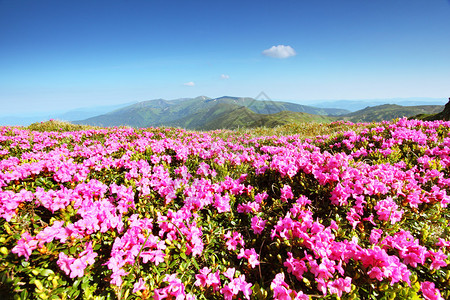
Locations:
(167, 213)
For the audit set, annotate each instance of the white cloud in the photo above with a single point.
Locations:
(280, 51)
(190, 83)
(224, 76)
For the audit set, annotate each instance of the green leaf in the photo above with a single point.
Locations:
(183, 255)
(76, 283)
(24, 294)
(73, 250)
(74, 294)
(194, 262)
(46, 272)
(173, 264)
(38, 284)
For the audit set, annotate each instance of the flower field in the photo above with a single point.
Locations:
(124, 213)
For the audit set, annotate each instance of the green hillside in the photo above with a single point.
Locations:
(233, 116)
(243, 117)
(272, 107)
(389, 112)
(239, 117)
(443, 115)
(211, 118)
(201, 112)
(289, 117)
(157, 112)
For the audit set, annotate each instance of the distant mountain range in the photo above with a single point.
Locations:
(204, 113)
(355, 105)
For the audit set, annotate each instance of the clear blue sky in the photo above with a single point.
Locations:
(62, 54)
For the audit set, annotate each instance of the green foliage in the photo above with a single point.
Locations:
(41, 278)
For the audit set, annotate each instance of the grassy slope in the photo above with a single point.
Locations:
(272, 107)
(390, 111)
(57, 125)
(304, 129)
(242, 117)
(288, 117)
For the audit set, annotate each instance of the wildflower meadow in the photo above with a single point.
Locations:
(165, 213)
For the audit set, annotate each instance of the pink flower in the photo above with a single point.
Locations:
(176, 287)
(353, 217)
(443, 243)
(429, 291)
(409, 248)
(301, 296)
(370, 219)
(77, 268)
(155, 256)
(233, 241)
(235, 286)
(222, 203)
(203, 169)
(245, 287)
(229, 273)
(116, 277)
(206, 278)
(251, 207)
(160, 294)
(295, 266)
(324, 270)
(25, 245)
(340, 285)
(340, 194)
(250, 255)
(261, 197)
(139, 286)
(286, 193)
(258, 224)
(375, 235)
(384, 265)
(387, 211)
(303, 201)
(213, 280)
(202, 277)
(88, 256)
(438, 259)
(227, 292)
(64, 261)
(280, 288)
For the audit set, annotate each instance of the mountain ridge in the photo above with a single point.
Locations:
(194, 113)
(386, 112)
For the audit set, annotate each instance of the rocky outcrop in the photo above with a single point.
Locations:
(443, 115)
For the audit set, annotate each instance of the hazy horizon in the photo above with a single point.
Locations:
(81, 113)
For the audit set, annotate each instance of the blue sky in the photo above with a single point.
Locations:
(65, 54)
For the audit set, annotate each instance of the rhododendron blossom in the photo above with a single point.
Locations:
(258, 224)
(429, 291)
(387, 211)
(234, 239)
(250, 255)
(167, 213)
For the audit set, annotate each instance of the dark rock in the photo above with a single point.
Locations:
(443, 115)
